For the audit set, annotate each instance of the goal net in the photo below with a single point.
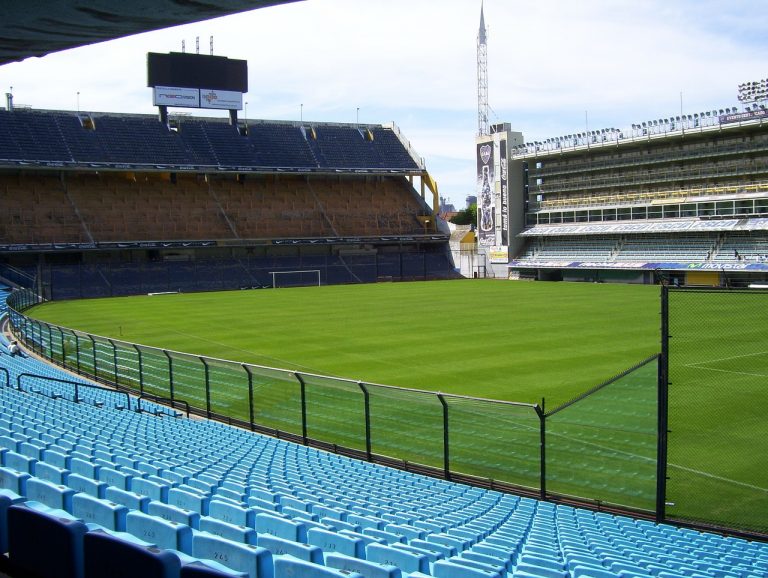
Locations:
(305, 278)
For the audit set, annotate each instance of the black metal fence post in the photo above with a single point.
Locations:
(170, 375)
(50, 341)
(367, 409)
(250, 394)
(77, 353)
(63, 349)
(207, 387)
(141, 370)
(303, 387)
(540, 411)
(114, 358)
(95, 364)
(663, 410)
(446, 439)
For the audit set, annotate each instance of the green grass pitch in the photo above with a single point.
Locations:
(490, 339)
(493, 339)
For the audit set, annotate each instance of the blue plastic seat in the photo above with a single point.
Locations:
(99, 511)
(254, 560)
(289, 567)
(233, 532)
(281, 547)
(7, 499)
(451, 569)
(366, 568)
(164, 533)
(174, 514)
(59, 555)
(108, 555)
(150, 488)
(281, 527)
(334, 542)
(407, 561)
(52, 495)
(231, 513)
(13, 481)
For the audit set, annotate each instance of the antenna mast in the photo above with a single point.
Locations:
(482, 78)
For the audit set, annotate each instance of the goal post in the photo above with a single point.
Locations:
(303, 278)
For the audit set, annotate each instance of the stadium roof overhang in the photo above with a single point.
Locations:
(39, 28)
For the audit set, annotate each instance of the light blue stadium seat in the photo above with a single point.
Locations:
(59, 555)
(334, 542)
(189, 500)
(131, 500)
(14, 480)
(289, 567)
(254, 560)
(281, 527)
(174, 514)
(209, 569)
(388, 537)
(7, 499)
(151, 489)
(452, 569)
(231, 513)
(52, 495)
(366, 568)
(407, 561)
(164, 533)
(114, 478)
(98, 511)
(109, 555)
(21, 463)
(233, 532)
(281, 547)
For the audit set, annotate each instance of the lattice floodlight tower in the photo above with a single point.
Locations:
(482, 77)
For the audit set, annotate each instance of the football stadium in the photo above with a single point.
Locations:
(225, 348)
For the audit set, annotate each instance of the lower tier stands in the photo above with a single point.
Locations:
(118, 207)
(733, 247)
(91, 490)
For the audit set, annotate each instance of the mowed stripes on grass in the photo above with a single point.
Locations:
(503, 340)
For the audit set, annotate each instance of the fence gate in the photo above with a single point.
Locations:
(717, 464)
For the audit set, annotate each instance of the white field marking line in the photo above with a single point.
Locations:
(729, 371)
(725, 358)
(670, 464)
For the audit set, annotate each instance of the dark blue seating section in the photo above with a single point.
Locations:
(80, 280)
(80, 139)
(174, 497)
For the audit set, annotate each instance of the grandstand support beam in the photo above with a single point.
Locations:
(663, 410)
(367, 408)
(446, 439)
(250, 394)
(431, 184)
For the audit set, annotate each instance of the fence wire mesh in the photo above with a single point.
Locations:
(718, 395)
(603, 446)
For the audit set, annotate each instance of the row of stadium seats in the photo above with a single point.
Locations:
(638, 197)
(168, 496)
(104, 208)
(82, 138)
(650, 248)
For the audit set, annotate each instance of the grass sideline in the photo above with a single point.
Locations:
(492, 339)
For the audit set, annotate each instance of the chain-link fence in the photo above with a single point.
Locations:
(718, 402)
(600, 448)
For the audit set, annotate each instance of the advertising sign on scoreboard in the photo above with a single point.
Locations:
(224, 99)
(175, 96)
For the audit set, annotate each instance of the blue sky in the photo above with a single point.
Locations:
(414, 62)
